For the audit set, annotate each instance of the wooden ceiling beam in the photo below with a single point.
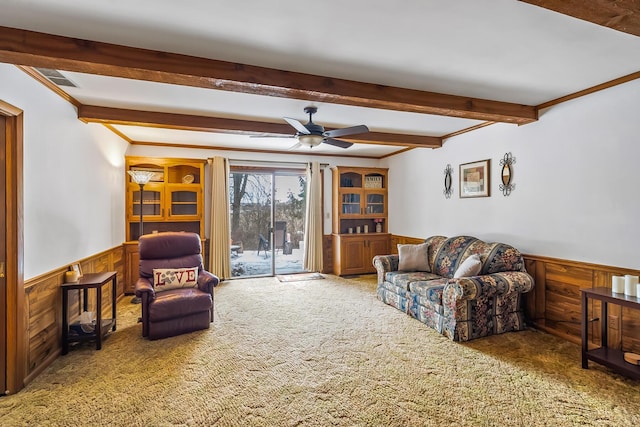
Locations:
(590, 90)
(397, 139)
(119, 116)
(469, 129)
(621, 15)
(252, 150)
(35, 49)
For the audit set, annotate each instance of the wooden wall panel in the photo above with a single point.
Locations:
(403, 240)
(571, 275)
(43, 305)
(327, 254)
(554, 303)
(118, 265)
(44, 320)
(132, 267)
(562, 297)
(42, 348)
(535, 301)
(630, 330)
(102, 263)
(530, 303)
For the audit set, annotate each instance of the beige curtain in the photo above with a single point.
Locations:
(219, 235)
(313, 229)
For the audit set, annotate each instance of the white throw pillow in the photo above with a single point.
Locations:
(414, 257)
(469, 267)
(165, 279)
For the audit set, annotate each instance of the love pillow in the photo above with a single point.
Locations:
(165, 279)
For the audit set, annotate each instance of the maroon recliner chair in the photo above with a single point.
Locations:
(176, 311)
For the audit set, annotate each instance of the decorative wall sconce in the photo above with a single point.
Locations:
(448, 180)
(507, 174)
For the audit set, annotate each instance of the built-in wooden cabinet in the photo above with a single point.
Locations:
(132, 261)
(353, 253)
(359, 218)
(172, 201)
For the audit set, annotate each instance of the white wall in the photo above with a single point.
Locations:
(73, 178)
(576, 174)
(151, 151)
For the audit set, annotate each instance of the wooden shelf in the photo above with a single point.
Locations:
(107, 324)
(169, 202)
(612, 358)
(615, 360)
(359, 200)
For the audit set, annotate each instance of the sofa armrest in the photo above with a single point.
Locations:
(144, 287)
(384, 264)
(489, 285)
(207, 281)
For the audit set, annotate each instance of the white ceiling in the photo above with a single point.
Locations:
(502, 50)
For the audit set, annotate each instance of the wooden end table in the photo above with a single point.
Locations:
(604, 355)
(89, 281)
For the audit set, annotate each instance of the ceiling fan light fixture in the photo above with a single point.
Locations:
(310, 140)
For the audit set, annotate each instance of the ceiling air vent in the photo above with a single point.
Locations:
(56, 77)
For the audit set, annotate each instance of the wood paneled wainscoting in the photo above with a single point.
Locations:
(554, 304)
(43, 308)
(327, 254)
(403, 240)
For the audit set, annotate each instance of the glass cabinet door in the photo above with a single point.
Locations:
(375, 204)
(151, 202)
(183, 202)
(350, 204)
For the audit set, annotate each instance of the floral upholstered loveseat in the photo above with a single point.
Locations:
(462, 308)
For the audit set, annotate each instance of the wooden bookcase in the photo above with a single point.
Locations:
(172, 201)
(359, 203)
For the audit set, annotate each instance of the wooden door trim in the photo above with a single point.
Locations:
(3, 258)
(16, 326)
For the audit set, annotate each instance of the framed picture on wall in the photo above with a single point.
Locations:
(77, 269)
(474, 179)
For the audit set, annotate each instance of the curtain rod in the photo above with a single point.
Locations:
(268, 163)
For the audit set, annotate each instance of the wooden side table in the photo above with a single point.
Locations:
(604, 355)
(89, 281)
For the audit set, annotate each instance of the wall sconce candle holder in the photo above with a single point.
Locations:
(448, 180)
(507, 174)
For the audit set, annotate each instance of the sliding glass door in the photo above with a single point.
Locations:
(267, 221)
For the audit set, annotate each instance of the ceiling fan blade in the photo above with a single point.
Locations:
(295, 146)
(297, 125)
(353, 130)
(266, 135)
(338, 143)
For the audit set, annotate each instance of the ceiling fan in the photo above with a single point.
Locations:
(312, 134)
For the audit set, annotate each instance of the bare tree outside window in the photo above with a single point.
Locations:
(253, 197)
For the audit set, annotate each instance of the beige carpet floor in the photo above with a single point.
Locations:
(320, 353)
